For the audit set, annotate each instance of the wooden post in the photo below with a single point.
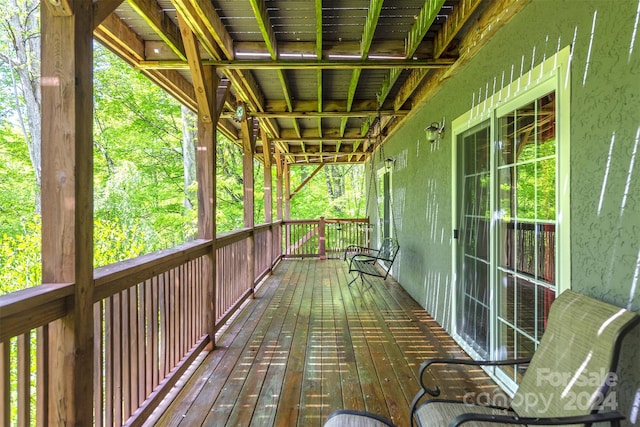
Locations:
(67, 203)
(248, 144)
(322, 248)
(278, 159)
(278, 184)
(248, 148)
(206, 167)
(268, 192)
(268, 178)
(287, 191)
(287, 206)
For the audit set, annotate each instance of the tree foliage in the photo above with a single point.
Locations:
(138, 155)
(337, 191)
(144, 178)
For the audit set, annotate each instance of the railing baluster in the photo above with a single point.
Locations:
(155, 331)
(142, 353)
(5, 382)
(133, 346)
(148, 338)
(126, 356)
(147, 317)
(42, 375)
(24, 379)
(98, 363)
(117, 359)
(109, 370)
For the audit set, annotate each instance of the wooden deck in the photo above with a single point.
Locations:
(308, 345)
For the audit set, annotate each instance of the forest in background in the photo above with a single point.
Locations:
(144, 168)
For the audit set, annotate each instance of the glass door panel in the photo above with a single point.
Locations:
(525, 244)
(473, 319)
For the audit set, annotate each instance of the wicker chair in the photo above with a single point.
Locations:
(566, 382)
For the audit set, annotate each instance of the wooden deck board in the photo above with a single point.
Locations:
(307, 345)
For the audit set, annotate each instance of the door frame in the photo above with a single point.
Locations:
(552, 73)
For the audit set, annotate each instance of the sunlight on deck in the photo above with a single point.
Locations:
(308, 345)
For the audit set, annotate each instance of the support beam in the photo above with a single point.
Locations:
(221, 96)
(102, 9)
(320, 95)
(248, 148)
(268, 178)
(67, 205)
(493, 18)
(445, 36)
(287, 191)
(214, 25)
(156, 18)
(319, 140)
(196, 68)
(427, 15)
(279, 183)
(329, 153)
(261, 13)
(206, 175)
(264, 23)
(306, 181)
(285, 64)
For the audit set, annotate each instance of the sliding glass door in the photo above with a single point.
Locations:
(473, 309)
(511, 216)
(525, 244)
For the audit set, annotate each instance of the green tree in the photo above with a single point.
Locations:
(335, 192)
(20, 64)
(139, 170)
(18, 191)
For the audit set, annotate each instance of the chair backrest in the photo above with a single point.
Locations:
(574, 365)
(388, 249)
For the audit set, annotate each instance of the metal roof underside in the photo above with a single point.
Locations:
(326, 80)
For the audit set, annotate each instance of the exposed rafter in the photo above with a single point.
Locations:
(197, 71)
(443, 39)
(414, 38)
(319, 44)
(278, 65)
(310, 72)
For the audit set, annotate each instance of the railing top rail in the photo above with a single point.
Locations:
(225, 239)
(113, 278)
(328, 220)
(30, 308)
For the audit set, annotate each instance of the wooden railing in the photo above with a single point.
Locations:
(149, 322)
(323, 237)
(530, 249)
(149, 325)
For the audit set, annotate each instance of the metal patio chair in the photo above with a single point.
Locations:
(569, 375)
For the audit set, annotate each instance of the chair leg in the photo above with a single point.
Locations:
(364, 279)
(353, 280)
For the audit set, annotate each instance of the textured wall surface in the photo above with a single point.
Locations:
(605, 163)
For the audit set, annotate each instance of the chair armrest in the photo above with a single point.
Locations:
(613, 418)
(427, 363)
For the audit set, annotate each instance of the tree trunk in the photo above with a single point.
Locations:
(188, 154)
(22, 30)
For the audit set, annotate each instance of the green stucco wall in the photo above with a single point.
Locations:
(605, 158)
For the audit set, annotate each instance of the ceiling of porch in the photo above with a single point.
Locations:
(326, 80)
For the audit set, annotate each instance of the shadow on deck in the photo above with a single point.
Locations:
(307, 345)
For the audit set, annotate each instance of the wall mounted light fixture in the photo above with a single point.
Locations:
(434, 131)
(388, 163)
